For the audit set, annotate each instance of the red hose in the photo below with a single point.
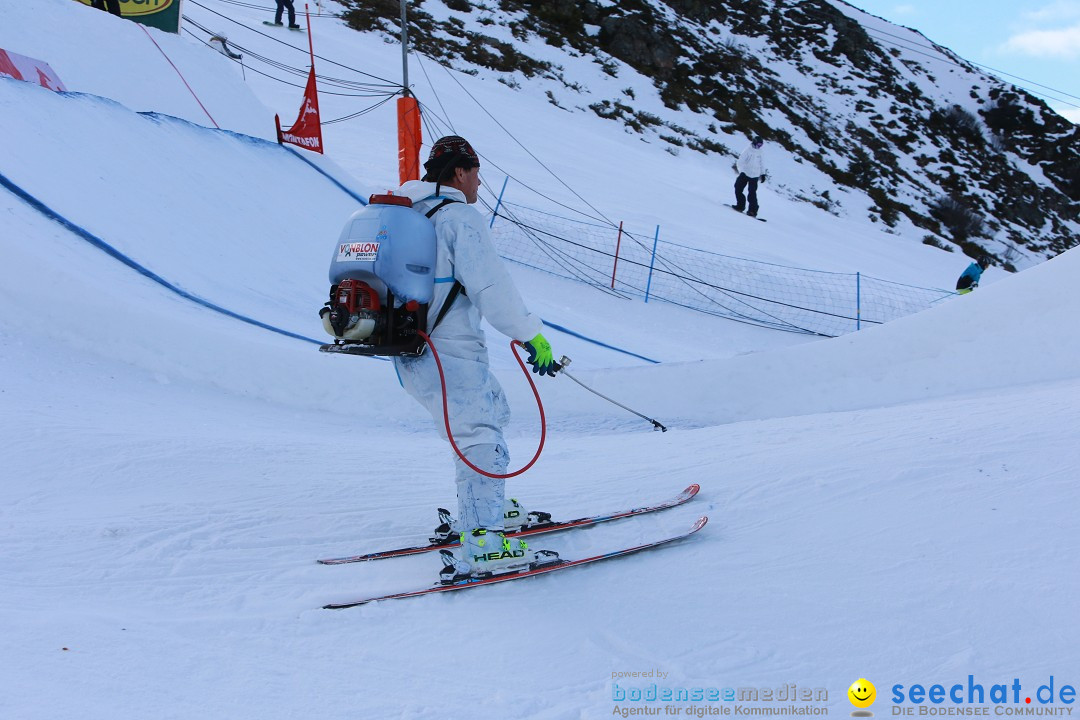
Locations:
(446, 412)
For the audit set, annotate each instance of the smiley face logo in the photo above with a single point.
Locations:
(862, 693)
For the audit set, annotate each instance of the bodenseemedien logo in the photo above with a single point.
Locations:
(862, 694)
(633, 696)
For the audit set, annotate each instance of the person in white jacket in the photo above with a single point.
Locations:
(478, 410)
(751, 169)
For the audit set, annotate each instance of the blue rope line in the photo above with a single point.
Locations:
(142, 270)
(146, 272)
(570, 332)
(328, 176)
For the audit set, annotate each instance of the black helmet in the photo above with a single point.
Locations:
(758, 141)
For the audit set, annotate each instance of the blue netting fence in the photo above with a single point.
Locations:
(648, 267)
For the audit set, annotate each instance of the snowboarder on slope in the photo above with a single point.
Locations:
(478, 409)
(969, 279)
(283, 5)
(751, 169)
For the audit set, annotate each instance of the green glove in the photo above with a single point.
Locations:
(540, 356)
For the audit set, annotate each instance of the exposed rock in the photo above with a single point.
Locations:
(994, 161)
(647, 49)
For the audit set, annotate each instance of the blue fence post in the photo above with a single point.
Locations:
(498, 203)
(858, 301)
(648, 285)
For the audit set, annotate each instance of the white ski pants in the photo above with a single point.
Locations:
(478, 413)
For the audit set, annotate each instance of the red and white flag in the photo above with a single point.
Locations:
(29, 69)
(307, 130)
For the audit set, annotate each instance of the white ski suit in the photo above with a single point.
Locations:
(477, 406)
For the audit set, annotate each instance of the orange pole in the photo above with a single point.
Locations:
(409, 139)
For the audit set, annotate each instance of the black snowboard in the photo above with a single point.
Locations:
(742, 213)
(267, 22)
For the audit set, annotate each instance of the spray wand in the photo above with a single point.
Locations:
(562, 369)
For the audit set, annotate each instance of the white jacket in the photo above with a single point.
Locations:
(465, 252)
(750, 162)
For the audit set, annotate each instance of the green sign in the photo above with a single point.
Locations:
(161, 14)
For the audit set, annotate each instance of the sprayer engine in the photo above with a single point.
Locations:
(354, 310)
(365, 324)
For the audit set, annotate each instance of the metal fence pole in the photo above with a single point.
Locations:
(858, 301)
(618, 243)
(648, 285)
(498, 203)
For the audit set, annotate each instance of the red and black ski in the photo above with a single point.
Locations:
(540, 570)
(549, 527)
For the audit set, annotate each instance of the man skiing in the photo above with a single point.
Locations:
(472, 280)
(969, 279)
(751, 169)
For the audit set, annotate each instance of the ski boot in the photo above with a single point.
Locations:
(486, 553)
(515, 519)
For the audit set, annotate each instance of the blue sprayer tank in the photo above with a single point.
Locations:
(387, 244)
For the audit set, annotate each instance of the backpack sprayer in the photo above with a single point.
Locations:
(382, 276)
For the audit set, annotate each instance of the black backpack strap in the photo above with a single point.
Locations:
(446, 201)
(458, 288)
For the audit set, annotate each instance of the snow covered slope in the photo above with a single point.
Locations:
(142, 68)
(898, 504)
(986, 341)
(165, 192)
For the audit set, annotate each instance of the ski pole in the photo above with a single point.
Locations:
(562, 368)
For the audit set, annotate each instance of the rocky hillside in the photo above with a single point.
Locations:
(929, 145)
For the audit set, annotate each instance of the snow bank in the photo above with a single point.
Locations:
(95, 52)
(1013, 333)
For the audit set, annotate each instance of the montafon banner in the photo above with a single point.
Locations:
(162, 14)
(307, 130)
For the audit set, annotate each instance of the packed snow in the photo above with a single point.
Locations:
(897, 504)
